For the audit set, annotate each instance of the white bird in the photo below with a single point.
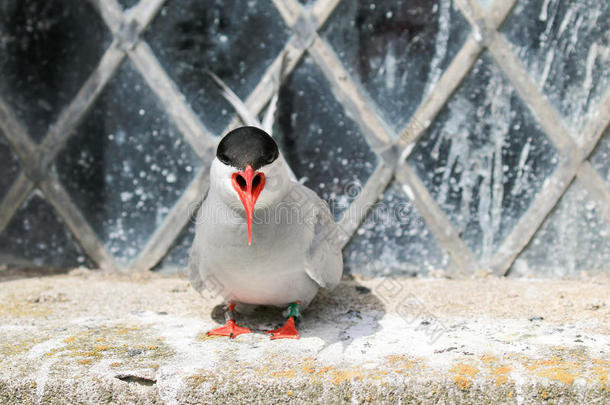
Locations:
(261, 237)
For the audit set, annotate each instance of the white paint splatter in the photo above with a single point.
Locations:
(440, 47)
(519, 179)
(544, 11)
(35, 354)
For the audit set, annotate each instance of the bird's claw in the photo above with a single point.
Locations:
(230, 329)
(288, 331)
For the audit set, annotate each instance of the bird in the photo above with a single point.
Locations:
(261, 237)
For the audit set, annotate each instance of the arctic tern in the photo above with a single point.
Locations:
(261, 237)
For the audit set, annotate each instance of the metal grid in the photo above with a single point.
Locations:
(392, 148)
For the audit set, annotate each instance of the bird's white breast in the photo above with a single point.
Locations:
(271, 271)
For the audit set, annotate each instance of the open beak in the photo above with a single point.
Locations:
(248, 185)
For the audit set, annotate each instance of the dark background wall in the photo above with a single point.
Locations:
(447, 136)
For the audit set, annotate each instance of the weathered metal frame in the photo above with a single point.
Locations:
(391, 147)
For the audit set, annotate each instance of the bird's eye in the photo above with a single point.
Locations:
(223, 158)
(271, 159)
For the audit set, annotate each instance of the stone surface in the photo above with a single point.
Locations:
(86, 337)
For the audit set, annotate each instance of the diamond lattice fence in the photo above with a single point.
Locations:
(447, 136)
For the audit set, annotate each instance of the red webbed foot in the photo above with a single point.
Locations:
(288, 331)
(230, 329)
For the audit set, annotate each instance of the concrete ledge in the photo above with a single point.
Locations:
(93, 338)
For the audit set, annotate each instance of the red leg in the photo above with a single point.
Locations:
(230, 329)
(288, 331)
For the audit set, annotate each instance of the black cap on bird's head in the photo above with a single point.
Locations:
(247, 149)
(247, 146)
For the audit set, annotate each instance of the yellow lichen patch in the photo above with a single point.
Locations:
(91, 353)
(261, 371)
(557, 374)
(13, 347)
(462, 382)
(405, 367)
(324, 370)
(502, 370)
(555, 368)
(116, 342)
(337, 377)
(18, 309)
(488, 358)
(197, 379)
(395, 358)
(501, 379)
(84, 361)
(203, 337)
(289, 393)
(325, 373)
(53, 352)
(284, 374)
(601, 373)
(400, 362)
(308, 365)
(516, 357)
(464, 369)
(553, 361)
(115, 364)
(125, 330)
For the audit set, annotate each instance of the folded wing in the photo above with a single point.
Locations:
(325, 262)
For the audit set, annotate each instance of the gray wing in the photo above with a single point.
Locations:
(193, 267)
(194, 255)
(325, 264)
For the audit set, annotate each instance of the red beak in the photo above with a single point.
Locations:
(248, 185)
